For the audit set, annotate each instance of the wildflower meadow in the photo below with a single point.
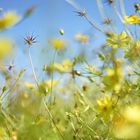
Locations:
(70, 70)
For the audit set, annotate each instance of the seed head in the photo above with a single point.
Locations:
(137, 7)
(29, 40)
(109, 1)
(30, 10)
(107, 21)
(81, 13)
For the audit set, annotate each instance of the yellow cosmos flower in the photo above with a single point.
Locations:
(9, 19)
(105, 103)
(132, 19)
(6, 46)
(49, 82)
(57, 43)
(82, 38)
(127, 125)
(118, 40)
(132, 114)
(114, 77)
(46, 85)
(29, 85)
(66, 66)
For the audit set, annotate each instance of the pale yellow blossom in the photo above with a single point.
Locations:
(127, 125)
(104, 104)
(9, 19)
(6, 46)
(29, 85)
(57, 43)
(82, 38)
(114, 77)
(65, 66)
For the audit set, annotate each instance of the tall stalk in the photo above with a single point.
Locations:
(45, 104)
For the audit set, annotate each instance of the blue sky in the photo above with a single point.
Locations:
(49, 16)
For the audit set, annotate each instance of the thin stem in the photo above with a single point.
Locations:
(8, 119)
(122, 7)
(87, 17)
(52, 75)
(136, 32)
(93, 24)
(74, 130)
(122, 20)
(52, 119)
(101, 9)
(32, 66)
(3, 96)
(46, 107)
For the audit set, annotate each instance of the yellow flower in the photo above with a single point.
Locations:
(105, 103)
(132, 114)
(114, 77)
(66, 66)
(57, 43)
(132, 19)
(82, 38)
(118, 40)
(49, 82)
(46, 85)
(9, 19)
(133, 52)
(6, 46)
(127, 125)
(29, 85)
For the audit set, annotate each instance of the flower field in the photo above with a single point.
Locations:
(66, 81)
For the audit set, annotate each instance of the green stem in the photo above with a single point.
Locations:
(52, 75)
(32, 66)
(93, 24)
(8, 119)
(101, 9)
(122, 20)
(52, 119)
(46, 107)
(122, 7)
(87, 17)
